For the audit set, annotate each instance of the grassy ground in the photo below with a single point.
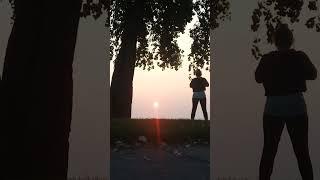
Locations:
(170, 130)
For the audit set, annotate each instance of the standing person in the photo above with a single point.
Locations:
(283, 74)
(198, 86)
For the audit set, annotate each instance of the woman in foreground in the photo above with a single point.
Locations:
(283, 74)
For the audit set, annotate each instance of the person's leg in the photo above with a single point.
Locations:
(194, 107)
(203, 104)
(272, 130)
(298, 131)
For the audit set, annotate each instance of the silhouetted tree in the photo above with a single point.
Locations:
(37, 81)
(270, 12)
(145, 32)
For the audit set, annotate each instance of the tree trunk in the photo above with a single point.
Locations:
(121, 85)
(37, 82)
(122, 79)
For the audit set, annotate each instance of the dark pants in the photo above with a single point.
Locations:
(298, 130)
(203, 103)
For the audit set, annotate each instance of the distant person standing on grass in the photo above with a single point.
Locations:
(198, 86)
(283, 74)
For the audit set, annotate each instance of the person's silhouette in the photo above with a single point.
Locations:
(283, 74)
(198, 86)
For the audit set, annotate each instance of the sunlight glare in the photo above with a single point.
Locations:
(155, 104)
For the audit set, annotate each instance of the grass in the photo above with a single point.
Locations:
(171, 130)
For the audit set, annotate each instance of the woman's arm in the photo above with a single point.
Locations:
(310, 71)
(191, 83)
(259, 73)
(206, 83)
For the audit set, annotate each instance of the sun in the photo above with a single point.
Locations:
(155, 104)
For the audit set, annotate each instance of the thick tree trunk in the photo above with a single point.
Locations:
(121, 85)
(37, 82)
(122, 79)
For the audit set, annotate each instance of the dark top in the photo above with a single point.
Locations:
(199, 84)
(285, 72)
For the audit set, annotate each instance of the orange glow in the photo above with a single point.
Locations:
(158, 131)
(157, 121)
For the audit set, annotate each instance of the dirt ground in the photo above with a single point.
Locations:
(166, 162)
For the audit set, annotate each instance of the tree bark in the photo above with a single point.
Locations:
(37, 81)
(121, 84)
(122, 79)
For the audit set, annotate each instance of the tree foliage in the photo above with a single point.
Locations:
(271, 12)
(210, 14)
(160, 27)
(158, 30)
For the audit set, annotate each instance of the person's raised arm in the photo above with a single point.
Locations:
(310, 71)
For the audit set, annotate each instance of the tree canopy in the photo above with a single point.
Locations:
(210, 14)
(271, 12)
(157, 29)
(160, 26)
